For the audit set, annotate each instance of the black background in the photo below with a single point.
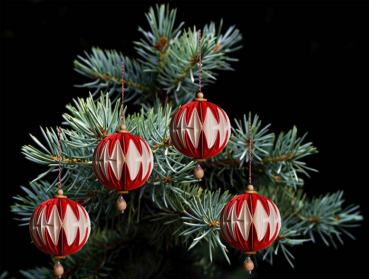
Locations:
(303, 64)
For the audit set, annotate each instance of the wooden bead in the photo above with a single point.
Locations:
(58, 269)
(60, 192)
(250, 188)
(198, 172)
(123, 127)
(121, 204)
(200, 95)
(248, 265)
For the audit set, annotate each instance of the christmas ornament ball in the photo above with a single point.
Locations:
(60, 227)
(200, 129)
(250, 222)
(122, 161)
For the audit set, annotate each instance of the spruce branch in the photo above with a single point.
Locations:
(168, 67)
(275, 160)
(104, 67)
(326, 217)
(302, 217)
(181, 78)
(155, 43)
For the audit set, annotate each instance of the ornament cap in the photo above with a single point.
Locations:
(122, 192)
(59, 194)
(123, 129)
(199, 160)
(60, 197)
(200, 97)
(58, 257)
(250, 190)
(249, 252)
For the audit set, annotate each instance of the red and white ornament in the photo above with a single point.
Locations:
(60, 227)
(250, 222)
(200, 129)
(122, 161)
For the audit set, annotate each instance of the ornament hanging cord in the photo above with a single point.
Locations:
(250, 152)
(60, 191)
(59, 157)
(199, 60)
(122, 92)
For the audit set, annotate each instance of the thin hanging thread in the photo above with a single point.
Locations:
(199, 60)
(59, 157)
(250, 152)
(122, 92)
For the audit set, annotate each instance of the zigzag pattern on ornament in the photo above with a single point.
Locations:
(54, 225)
(117, 160)
(211, 127)
(261, 220)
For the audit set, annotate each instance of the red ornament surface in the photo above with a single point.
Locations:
(122, 161)
(59, 227)
(200, 130)
(250, 222)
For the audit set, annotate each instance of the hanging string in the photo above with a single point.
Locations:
(59, 157)
(199, 60)
(122, 92)
(250, 151)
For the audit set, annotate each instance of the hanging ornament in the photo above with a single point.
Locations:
(250, 222)
(200, 129)
(59, 226)
(122, 161)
